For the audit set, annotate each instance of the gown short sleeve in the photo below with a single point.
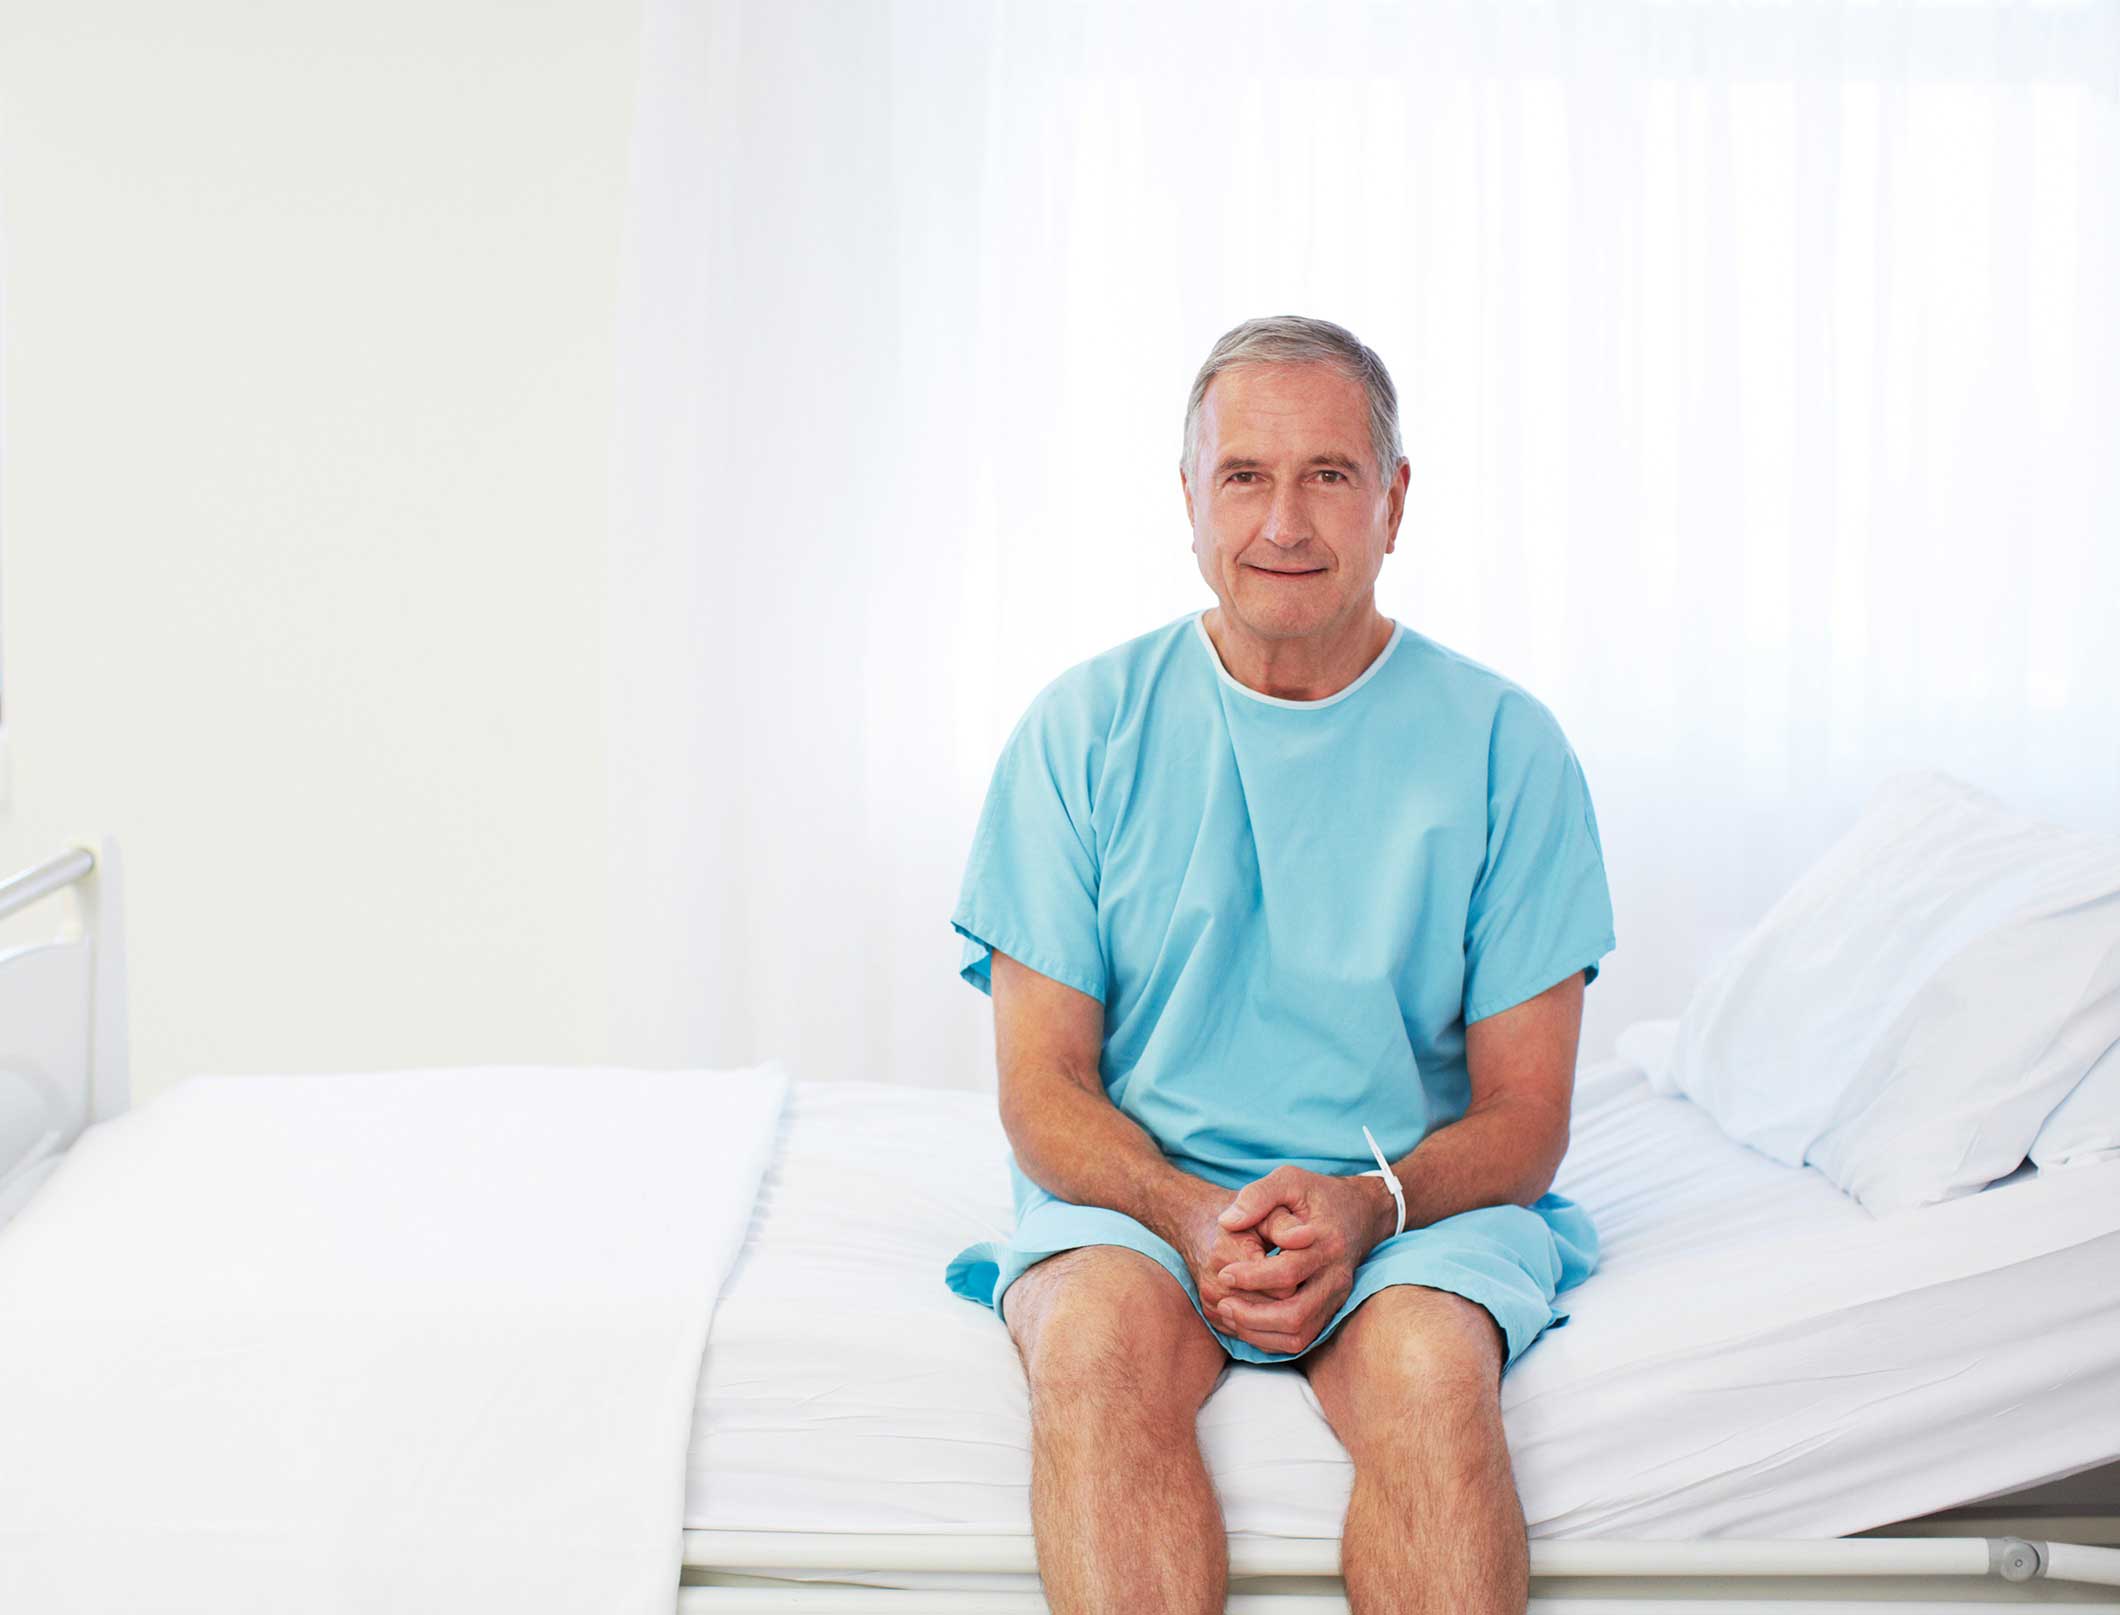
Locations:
(1030, 883)
(1540, 908)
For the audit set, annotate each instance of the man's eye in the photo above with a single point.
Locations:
(1236, 474)
(1336, 474)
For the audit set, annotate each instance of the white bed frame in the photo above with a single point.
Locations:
(63, 1067)
(63, 1057)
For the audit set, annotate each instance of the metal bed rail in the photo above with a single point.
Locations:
(18, 891)
(2004, 1558)
(94, 1081)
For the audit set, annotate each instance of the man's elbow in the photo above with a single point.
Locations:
(1019, 1100)
(1553, 1130)
(1033, 1091)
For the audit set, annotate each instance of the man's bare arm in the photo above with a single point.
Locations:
(1068, 1136)
(1507, 1146)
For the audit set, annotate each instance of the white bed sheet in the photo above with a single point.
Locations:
(369, 1342)
(1757, 1355)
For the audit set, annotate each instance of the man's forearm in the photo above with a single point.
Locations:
(1503, 1155)
(1078, 1145)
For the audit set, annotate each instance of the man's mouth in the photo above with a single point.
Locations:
(1308, 572)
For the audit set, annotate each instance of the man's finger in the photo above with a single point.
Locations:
(1253, 1201)
(1288, 1269)
(1286, 1344)
(1284, 1228)
(1284, 1186)
(1270, 1292)
(1272, 1317)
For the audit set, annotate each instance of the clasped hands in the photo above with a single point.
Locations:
(1325, 1227)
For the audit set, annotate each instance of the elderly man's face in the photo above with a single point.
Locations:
(1291, 522)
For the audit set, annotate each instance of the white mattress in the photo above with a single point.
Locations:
(1757, 1356)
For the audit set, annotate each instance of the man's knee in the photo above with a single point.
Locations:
(1414, 1354)
(1107, 1324)
(1438, 1335)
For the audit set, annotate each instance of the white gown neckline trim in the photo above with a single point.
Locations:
(1398, 632)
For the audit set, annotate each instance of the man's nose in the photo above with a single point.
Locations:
(1287, 521)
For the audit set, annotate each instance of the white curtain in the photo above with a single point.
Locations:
(1758, 368)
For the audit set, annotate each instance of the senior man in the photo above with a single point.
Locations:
(1243, 886)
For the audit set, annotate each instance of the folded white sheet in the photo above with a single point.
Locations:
(419, 1340)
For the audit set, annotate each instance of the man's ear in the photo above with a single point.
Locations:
(1401, 481)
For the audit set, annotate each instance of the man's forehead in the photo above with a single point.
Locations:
(1325, 411)
(1241, 439)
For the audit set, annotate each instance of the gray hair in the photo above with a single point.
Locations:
(1295, 339)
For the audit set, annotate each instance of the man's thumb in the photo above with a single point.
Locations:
(1235, 1215)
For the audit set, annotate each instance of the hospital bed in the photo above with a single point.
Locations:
(1765, 1399)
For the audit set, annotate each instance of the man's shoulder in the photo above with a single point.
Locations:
(1089, 694)
(1481, 697)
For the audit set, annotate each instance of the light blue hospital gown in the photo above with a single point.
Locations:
(1290, 910)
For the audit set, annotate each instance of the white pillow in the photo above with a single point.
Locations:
(1912, 1010)
(1648, 1044)
(2086, 1125)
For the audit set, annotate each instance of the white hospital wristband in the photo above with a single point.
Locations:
(1391, 1181)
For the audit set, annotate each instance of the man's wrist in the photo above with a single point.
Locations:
(1172, 1198)
(1383, 1210)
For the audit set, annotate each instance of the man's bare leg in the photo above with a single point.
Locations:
(1118, 1364)
(1411, 1384)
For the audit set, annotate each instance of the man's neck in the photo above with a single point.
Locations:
(1303, 669)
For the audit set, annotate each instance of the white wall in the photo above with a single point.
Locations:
(307, 379)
